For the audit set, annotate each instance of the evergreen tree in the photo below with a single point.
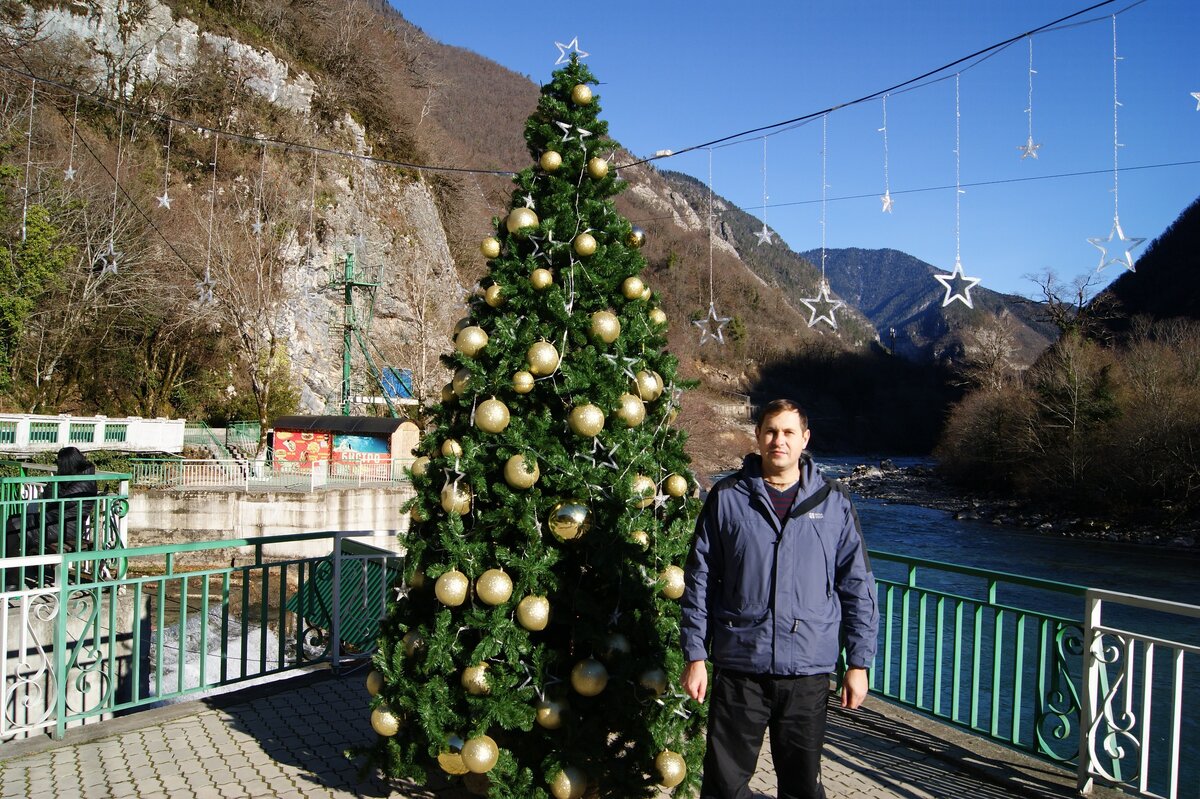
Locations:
(535, 648)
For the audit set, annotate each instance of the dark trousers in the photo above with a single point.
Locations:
(743, 705)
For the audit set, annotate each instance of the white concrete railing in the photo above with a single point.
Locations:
(258, 475)
(1124, 740)
(22, 433)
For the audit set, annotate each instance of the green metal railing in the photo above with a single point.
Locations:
(243, 436)
(198, 434)
(999, 654)
(177, 626)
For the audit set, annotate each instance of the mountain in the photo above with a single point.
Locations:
(1166, 283)
(897, 292)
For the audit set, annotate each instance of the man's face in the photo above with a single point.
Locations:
(781, 439)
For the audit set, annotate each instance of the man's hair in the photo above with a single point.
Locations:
(72, 461)
(780, 406)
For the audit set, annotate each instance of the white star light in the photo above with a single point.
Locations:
(1120, 252)
(764, 235)
(565, 50)
(707, 330)
(822, 306)
(165, 201)
(887, 202)
(69, 173)
(958, 286)
(257, 227)
(625, 365)
(1029, 149)
(107, 261)
(205, 287)
(1197, 96)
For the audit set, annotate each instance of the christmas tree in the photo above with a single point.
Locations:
(535, 648)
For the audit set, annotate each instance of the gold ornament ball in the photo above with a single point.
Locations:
(581, 94)
(676, 485)
(384, 721)
(632, 410)
(521, 220)
(672, 582)
(521, 472)
(586, 420)
(479, 754)
(413, 642)
(448, 393)
(533, 613)
(543, 359)
(550, 161)
(522, 382)
(570, 783)
(643, 490)
(589, 677)
(605, 326)
(641, 538)
(450, 758)
(418, 514)
(456, 499)
(654, 681)
(374, 682)
(477, 784)
(569, 520)
(451, 448)
(494, 295)
(470, 340)
(671, 768)
(475, 681)
(490, 247)
(549, 713)
(646, 294)
(646, 386)
(541, 279)
(584, 245)
(636, 237)
(494, 587)
(657, 317)
(418, 580)
(420, 466)
(632, 288)
(659, 385)
(460, 324)
(491, 416)
(461, 381)
(451, 588)
(598, 168)
(615, 645)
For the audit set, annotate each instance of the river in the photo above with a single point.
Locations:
(1163, 573)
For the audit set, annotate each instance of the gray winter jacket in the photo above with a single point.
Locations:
(778, 598)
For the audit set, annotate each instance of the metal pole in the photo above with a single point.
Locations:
(347, 330)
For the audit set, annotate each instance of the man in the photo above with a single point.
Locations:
(777, 583)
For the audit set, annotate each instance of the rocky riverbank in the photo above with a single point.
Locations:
(921, 485)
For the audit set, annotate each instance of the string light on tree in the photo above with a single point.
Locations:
(1029, 149)
(164, 200)
(822, 306)
(69, 172)
(28, 157)
(1117, 248)
(958, 286)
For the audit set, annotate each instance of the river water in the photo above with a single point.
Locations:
(1163, 573)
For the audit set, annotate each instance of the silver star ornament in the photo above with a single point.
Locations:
(958, 286)
(822, 306)
(1117, 248)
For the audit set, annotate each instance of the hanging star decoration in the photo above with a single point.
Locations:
(402, 591)
(624, 364)
(528, 200)
(1197, 96)
(107, 260)
(1117, 248)
(205, 288)
(257, 227)
(1029, 149)
(958, 286)
(565, 50)
(764, 235)
(69, 173)
(165, 201)
(822, 306)
(566, 127)
(706, 325)
(886, 197)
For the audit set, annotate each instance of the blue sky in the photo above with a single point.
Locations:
(678, 74)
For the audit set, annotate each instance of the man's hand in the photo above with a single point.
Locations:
(854, 687)
(695, 680)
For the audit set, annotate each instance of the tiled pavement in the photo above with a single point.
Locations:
(288, 741)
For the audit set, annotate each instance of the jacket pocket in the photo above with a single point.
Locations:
(741, 640)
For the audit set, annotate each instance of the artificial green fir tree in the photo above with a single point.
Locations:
(535, 650)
